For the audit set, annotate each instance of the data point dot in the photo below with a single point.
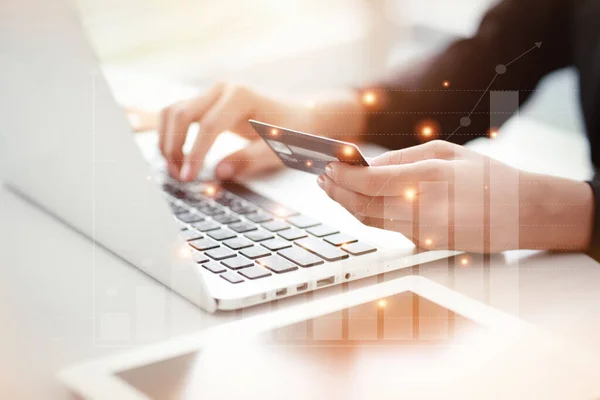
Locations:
(500, 69)
(465, 121)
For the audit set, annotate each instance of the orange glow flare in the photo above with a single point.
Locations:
(211, 190)
(369, 98)
(410, 194)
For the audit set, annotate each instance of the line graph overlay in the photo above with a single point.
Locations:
(500, 70)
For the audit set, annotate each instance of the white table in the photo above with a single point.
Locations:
(50, 317)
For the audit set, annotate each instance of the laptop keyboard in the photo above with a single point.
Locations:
(240, 235)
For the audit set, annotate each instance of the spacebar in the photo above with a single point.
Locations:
(322, 249)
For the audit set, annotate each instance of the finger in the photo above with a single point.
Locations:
(389, 180)
(361, 205)
(176, 121)
(142, 120)
(435, 149)
(162, 131)
(231, 107)
(253, 159)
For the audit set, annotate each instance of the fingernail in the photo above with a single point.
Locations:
(321, 181)
(186, 173)
(224, 171)
(329, 170)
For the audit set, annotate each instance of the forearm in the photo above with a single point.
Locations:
(555, 213)
(456, 83)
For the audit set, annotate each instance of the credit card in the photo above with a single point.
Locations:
(306, 152)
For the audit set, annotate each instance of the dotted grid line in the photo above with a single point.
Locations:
(500, 70)
(459, 90)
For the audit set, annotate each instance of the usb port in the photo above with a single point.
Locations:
(326, 281)
(281, 292)
(302, 288)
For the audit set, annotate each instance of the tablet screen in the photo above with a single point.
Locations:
(404, 337)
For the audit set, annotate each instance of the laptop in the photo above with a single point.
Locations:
(67, 147)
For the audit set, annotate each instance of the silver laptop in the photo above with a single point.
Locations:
(67, 147)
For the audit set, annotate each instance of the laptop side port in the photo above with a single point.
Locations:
(302, 288)
(281, 292)
(326, 281)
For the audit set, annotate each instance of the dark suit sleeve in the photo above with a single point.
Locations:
(407, 99)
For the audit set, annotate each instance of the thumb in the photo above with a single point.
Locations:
(253, 159)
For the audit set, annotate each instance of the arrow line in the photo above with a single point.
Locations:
(483, 94)
(537, 45)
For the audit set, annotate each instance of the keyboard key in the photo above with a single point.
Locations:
(255, 252)
(292, 234)
(277, 264)
(214, 267)
(226, 199)
(226, 219)
(206, 226)
(358, 248)
(238, 243)
(190, 234)
(189, 217)
(204, 244)
(255, 272)
(220, 253)
(302, 221)
(322, 249)
(232, 277)
(210, 210)
(259, 236)
(301, 257)
(182, 225)
(276, 225)
(276, 244)
(199, 257)
(322, 230)
(222, 234)
(177, 209)
(196, 203)
(243, 209)
(241, 227)
(259, 217)
(238, 262)
(174, 191)
(339, 239)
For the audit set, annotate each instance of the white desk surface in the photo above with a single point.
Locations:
(48, 312)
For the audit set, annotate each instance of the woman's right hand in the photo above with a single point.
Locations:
(228, 107)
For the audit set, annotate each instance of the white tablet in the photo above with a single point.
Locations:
(408, 338)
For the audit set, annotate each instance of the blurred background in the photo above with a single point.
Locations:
(289, 46)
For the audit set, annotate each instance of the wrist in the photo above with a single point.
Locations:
(555, 213)
(338, 114)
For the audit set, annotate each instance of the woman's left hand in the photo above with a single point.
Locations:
(444, 196)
